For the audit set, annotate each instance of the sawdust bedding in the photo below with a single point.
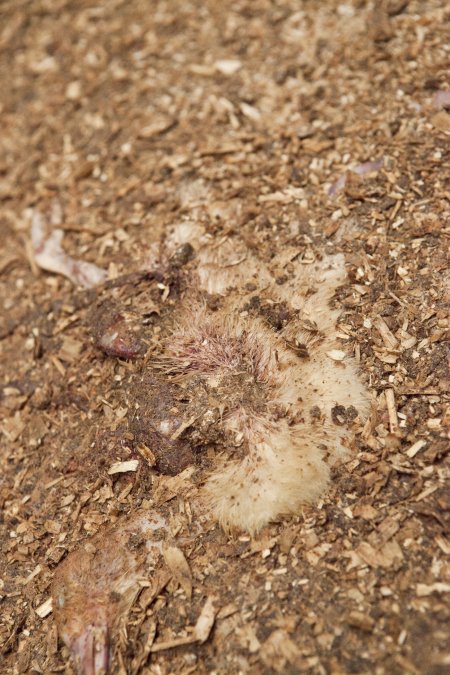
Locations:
(289, 135)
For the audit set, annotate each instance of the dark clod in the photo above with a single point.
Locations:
(342, 415)
(182, 255)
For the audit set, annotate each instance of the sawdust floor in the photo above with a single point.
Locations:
(137, 115)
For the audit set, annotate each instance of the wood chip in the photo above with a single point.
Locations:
(228, 66)
(278, 650)
(123, 467)
(426, 493)
(441, 121)
(384, 557)
(201, 631)
(178, 565)
(13, 427)
(388, 338)
(392, 410)
(365, 511)
(443, 544)
(423, 590)
(336, 355)
(206, 620)
(415, 448)
(170, 644)
(45, 609)
(37, 570)
(184, 425)
(70, 350)
(147, 454)
(157, 127)
(361, 620)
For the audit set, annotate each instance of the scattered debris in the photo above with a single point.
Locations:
(359, 170)
(200, 632)
(137, 131)
(178, 565)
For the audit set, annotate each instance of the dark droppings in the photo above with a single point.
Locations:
(342, 415)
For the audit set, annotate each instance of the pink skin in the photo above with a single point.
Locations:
(91, 650)
(86, 620)
(118, 341)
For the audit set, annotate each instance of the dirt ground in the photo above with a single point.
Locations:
(137, 115)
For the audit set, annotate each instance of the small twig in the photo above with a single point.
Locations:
(182, 427)
(388, 338)
(392, 410)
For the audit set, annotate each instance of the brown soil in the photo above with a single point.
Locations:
(138, 115)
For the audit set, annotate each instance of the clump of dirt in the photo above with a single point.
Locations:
(158, 410)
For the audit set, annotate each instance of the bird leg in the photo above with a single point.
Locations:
(90, 650)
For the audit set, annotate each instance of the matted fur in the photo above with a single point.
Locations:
(291, 441)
